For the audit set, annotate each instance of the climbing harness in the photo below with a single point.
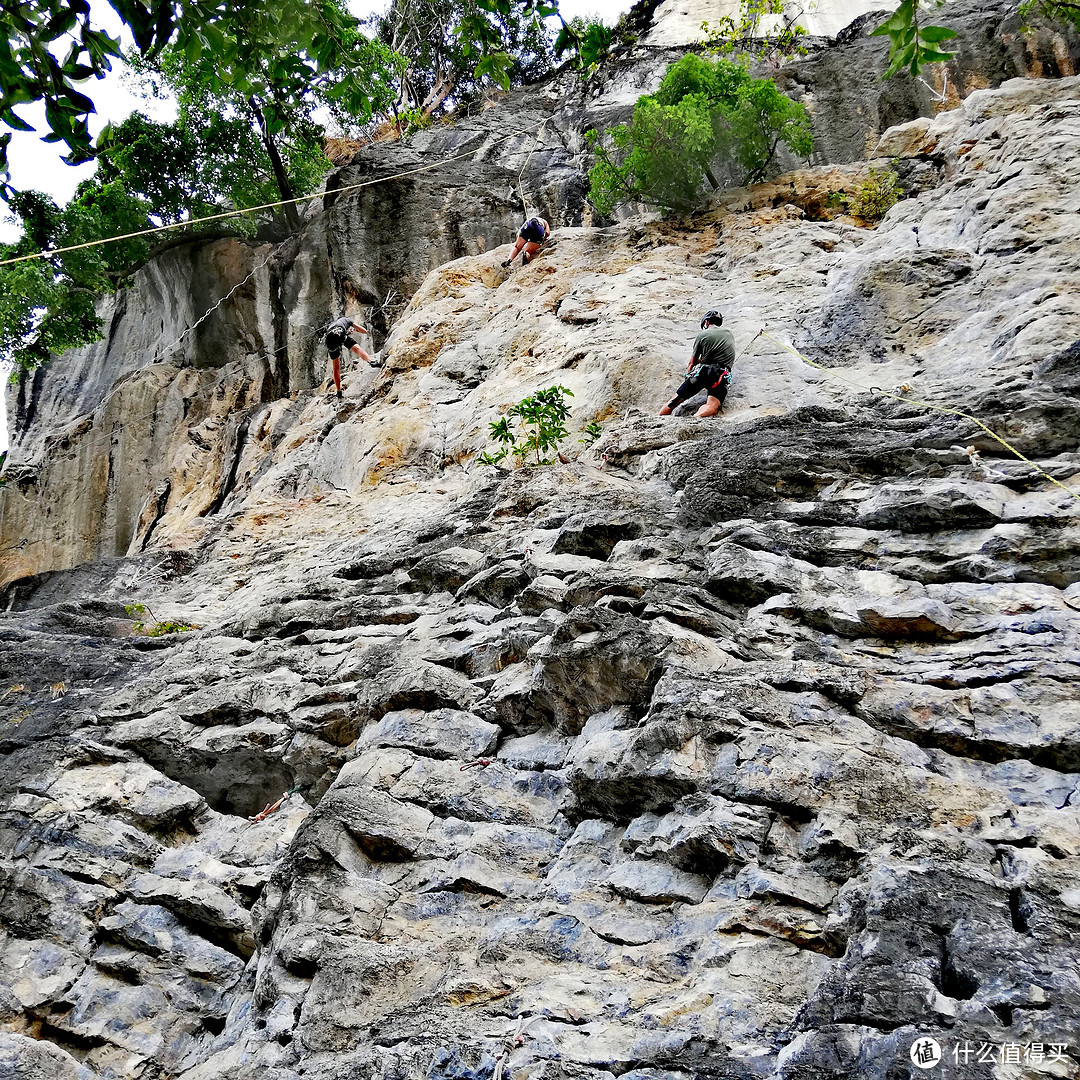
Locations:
(923, 404)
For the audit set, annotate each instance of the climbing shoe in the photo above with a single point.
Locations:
(507, 263)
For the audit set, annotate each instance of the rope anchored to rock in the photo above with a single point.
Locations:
(902, 395)
(267, 810)
(509, 1046)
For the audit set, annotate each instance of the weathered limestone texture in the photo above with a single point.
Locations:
(743, 749)
(153, 425)
(746, 748)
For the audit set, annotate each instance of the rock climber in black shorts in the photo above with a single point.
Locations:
(709, 367)
(530, 236)
(338, 333)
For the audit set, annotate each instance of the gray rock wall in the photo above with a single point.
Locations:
(118, 444)
(742, 748)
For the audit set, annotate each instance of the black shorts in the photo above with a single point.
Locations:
(706, 377)
(334, 341)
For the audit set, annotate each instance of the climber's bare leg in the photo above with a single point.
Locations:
(711, 407)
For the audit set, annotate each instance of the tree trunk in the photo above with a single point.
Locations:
(281, 177)
(442, 89)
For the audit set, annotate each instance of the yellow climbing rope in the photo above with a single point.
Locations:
(265, 206)
(924, 404)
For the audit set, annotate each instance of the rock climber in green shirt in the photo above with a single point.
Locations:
(709, 367)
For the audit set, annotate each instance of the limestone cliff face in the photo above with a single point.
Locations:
(150, 425)
(737, 748)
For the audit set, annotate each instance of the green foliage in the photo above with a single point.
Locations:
(744, 37)
(442, 65)
(47, 305)
(912, 45)
(593, 431)
(248, 49)
(254, 129)
(876, 195)
(541, 427)
(704, 113)
(482, 30)
(156, 629)
(1058, 11)
(247, 134)
(587, 39)
(162, 628)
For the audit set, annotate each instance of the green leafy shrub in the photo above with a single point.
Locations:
(541, 427)
(705, 114)
(587, 39)
(874, 197)
(593, 431)
(1059, 11)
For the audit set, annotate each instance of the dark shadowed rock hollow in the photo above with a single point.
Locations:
(742, 749)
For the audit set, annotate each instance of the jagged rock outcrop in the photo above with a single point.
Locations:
(736, 748)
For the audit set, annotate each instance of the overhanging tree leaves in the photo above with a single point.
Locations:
(586, 40)
(48, 305)
(256, 98)
(727, 37)
(441, 68)
(912, 44)
(168, 165)
(1062, 11)
(48, 46)
(246, 135)
(481, 30)
(704, 116)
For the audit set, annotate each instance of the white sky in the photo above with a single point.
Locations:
(37, 165)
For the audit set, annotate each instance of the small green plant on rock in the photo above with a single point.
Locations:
(873, 199)
(593, 431)
(157, 628)
(541, 426)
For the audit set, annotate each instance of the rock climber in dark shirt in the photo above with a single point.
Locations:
(338, 333)
(530, 236)
(709, 367)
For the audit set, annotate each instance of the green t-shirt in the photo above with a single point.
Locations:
(715, 345)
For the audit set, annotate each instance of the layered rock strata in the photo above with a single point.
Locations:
(742, 748)
(150, 425)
